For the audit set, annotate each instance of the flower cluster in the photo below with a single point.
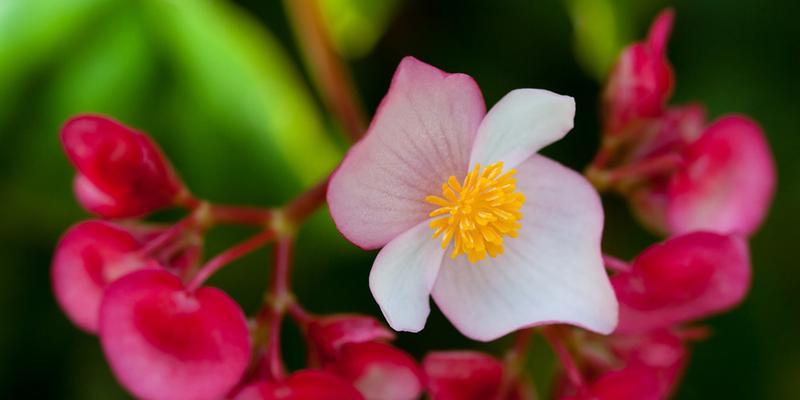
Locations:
(464, 212)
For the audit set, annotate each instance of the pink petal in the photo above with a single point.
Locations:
(729, 181)
(520, 124)
(379, 371)
(682, 279)
(462, 375)
(422, 134)
(551, 273)
(163, 342)
(89, 256)
(403, 275)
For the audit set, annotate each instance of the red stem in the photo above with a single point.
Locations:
(304, 205)
(168, 235)
(331, 75)
(644, 168)
(227, 256)
(615, 264)
(278, 300)
(552, 335)
(514, 361)
(240, 215)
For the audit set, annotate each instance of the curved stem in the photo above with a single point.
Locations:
(515, 361)
(168, 235)
(658, 165)
(330, 74)
(242, 215)
(304, 205)
(553, 337)
(227, 256)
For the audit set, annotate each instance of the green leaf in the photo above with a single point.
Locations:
(356, 25)
(33, 32)
(240, 76)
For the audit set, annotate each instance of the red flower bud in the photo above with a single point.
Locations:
(641, 81)
(379, 371)
(164, 342)
(682, 279)
(728, 182)
(121, 172)
(302, 385)
(328, 334)
(462, 375)
(89, 256)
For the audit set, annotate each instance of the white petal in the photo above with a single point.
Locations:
(520, 124)
(403, 275)
(551, 273)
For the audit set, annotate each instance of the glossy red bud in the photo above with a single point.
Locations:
(330, 333)
(462, 375)
(165, 342)
(89, 256)
(302, 385)
(121, 172)
(379, 371)
(682, 279)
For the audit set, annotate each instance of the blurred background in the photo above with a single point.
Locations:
(221, 86)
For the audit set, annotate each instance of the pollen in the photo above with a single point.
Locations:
(477, 213)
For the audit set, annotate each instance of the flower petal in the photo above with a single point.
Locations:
(552, 272)
(422, 134)
(403, 275)
(729, 182)
(520, 124)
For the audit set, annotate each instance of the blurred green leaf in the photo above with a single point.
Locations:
(600, 34)
(35, 31)
(240, 76)
(356, 25)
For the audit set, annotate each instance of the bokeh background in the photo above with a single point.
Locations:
(221, 85)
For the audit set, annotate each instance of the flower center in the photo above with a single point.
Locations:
(478, 212)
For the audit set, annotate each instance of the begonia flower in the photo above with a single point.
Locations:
(302, 385)
(89, 256)
(466, 211)
(121, 172)
(682, 279)
(164, 341)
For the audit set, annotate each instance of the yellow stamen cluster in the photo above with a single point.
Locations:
(478, 212)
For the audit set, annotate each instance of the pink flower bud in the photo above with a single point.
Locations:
(302, 385)
(462, 375)
(121, 172)
(728, 183)
(641, 81)
(89, 256)
(379, 371)
(330, 333)
(164, 342)
(682, 279)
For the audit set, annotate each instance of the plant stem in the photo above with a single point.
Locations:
(553, 337)
(515, 361)
(242, 215)
(305, 204)
(329, 72)
(278, 300)
(228, 256)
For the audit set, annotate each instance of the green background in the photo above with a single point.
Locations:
(222, 88)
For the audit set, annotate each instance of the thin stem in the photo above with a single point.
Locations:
(168, 235)
(645, 168)
(304, 205)
(553, 337)
(299, 314)
(615, 264)
(330, 74)
(228, 256)
(240, 215)
(515, 361)
(278, 299)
